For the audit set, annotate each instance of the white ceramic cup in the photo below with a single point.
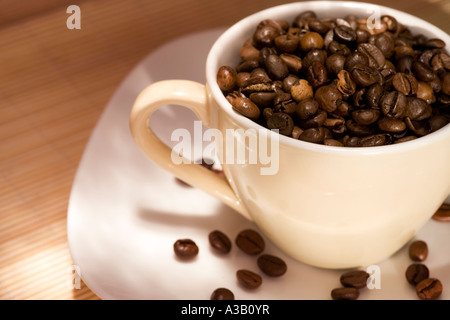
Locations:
(332, 207)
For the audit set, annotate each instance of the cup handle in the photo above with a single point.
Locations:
(192, 95)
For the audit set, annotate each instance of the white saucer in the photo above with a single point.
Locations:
(125, 213)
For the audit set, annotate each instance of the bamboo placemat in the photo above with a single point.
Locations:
(54, 85)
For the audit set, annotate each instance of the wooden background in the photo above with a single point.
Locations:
(54, 85)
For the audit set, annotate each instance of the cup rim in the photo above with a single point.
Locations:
(253, 19)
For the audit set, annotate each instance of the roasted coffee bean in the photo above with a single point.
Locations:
(344, 34)
(272, 265)
(293, 62)
(437, 122)
(419, 128)
(249, 52)
(314, 135)
(318, 26)
(185, 248)
(247, 65)
(276, 67)
(250, 241)
(405, 83)
(390, 22)
(405, 64)
(219, 241)
(226, 78)
(311, 40)
(335, 63)
(429, 289)
(283, 103)
(317, 74)
(246, 107)
(343, 109)
(355, 279)
(386, 44)
(328, 98)
(376, 57)
(289, 81)
(333, 143)
(416, 272)
(357, 129)
(366, 116)
(345, 293)
(373, 95)
(345, 84)
(425, 92)
(443, 213)
(364, 76)
(267, 113)
(362, 35)
(222, 294)
(282, 122)
(302, 19)
(338, 48)
(405, 139)
(417, 109)
(434, 43)
(445, 80)
(440, 62)
(391, 125)
(263, 99)
(265, 35)
(393, 104)
(314, 55)
(354, 59)
(306, 108)
(248, 279)
(375, 140)
(296, 132)
(301, 90)
(422, 71)
(359, 98)
(418, 250)
(287, 43)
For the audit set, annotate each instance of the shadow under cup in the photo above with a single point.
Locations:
(334, 207)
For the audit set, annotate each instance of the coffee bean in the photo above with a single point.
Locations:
(250, 241)
(416, 273)
(276, 68)
(287, 43)
(301, 90)
(293, 62)
(405, 83)
(317, 74)
(306, 108)
(248, 279)
(385, 43)
(376, 57)
(445, 80)
(425, 92)
(219, 241)
(222, 294)
(185, 248)
(354, 59)
(314, 135)
(364, 76)
(335, 63)
(357, 129)
(345, 84)
(345, 293)
(429, 289)
(417, 109)
(354, 279)
(375, 140)
(246, 107)
(443, 213)
(271, 265)
(226, 78)
(344, 34)
(265, 35)
(366, 116)
(263, 99)
(314, 55)
(338, 48)
(423, 72)
(392, 125)
(328, 98)
(393, 104)
(374, 94)
(311, 40)
(282, 122)
(418, 250)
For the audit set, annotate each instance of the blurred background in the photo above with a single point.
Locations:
(54, 85)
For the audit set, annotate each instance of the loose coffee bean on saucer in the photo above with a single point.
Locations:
(354, 279)
(185, 249)
(250, 241)
(418, 250)
(248, 279)
(346, 293)
(416, 272)
(271, 265)
(222, 294)
(443, 213)
(220, 241)
(429, 289)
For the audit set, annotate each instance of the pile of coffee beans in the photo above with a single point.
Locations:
(340, 83)
(418, 275)
(248, 241)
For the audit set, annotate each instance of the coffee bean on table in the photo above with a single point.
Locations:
(272, 265)
(429, 289)
(443, 213)
(354, 279)
(248, 279)
(418, 250)
(250, 241)
(222, 294)
(345, 293)
(416, 272)
(219, 241)
(185, 248)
